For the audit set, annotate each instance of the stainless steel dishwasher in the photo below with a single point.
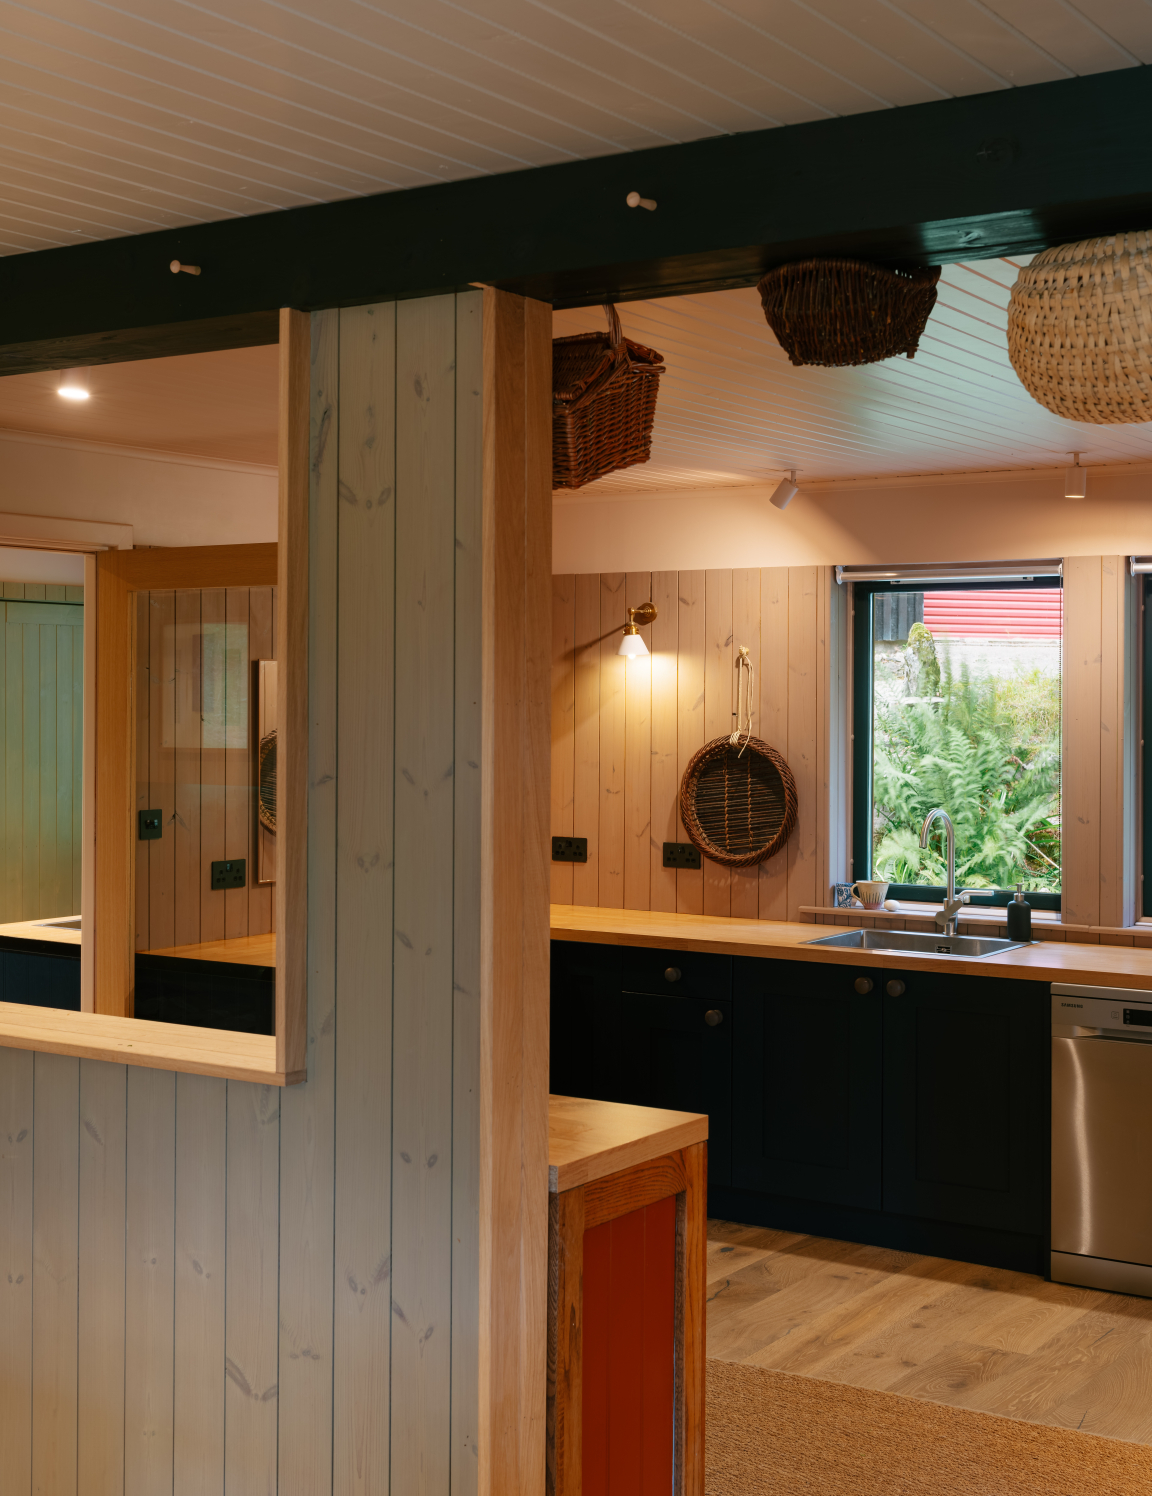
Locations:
(1102, 1138)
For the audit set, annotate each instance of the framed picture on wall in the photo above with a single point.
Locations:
(266, 771)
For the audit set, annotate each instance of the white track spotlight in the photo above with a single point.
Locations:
(1075, 479)
(785, 491)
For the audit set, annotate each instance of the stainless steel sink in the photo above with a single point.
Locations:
(908, 943)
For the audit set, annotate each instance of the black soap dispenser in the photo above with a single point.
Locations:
(1019, 916)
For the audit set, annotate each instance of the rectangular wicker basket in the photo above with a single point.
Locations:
(604, 390)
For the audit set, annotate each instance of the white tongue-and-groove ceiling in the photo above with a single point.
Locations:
(121, 118)
(733, 410)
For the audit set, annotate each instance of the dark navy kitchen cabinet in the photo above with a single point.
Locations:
(892, 1106)
(966, 1110)
(653, 1028)
(807, 1081)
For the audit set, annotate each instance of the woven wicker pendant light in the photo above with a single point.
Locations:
(1080, 329)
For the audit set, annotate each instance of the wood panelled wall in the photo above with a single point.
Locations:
(41, 757)
(213, 1288)
(205, 791)
(623, 731)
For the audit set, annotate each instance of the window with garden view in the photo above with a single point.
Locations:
(965, 714)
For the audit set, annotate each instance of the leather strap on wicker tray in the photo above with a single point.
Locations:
(738, 804)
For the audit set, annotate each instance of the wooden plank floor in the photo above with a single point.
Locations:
(974, 1337)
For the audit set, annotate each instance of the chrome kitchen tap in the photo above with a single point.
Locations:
(953, 902)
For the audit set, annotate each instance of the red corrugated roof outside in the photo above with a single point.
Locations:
(1027, 614)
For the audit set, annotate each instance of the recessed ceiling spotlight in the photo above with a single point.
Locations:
(73, 385)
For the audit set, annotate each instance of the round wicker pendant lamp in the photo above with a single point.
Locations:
(1080, 329)
(738, 802)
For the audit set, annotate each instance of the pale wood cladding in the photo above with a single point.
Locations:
(974, 1337)
(623, 732)
(205, 791)
(235, 1288)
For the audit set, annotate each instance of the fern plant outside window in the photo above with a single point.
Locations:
(957, 703)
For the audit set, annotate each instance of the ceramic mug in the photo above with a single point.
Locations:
(871, 895)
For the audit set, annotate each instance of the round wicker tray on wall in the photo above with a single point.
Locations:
(1080, 329)
(738, 804)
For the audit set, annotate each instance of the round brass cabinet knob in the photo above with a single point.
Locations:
(713, 1017)
(672, 974)
(895, 989)
(863, 985)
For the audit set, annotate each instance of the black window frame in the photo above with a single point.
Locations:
(862, 662)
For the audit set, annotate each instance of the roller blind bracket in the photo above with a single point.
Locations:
(977, 571)
(1139, 564)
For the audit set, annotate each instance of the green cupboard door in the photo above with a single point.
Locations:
(966, 1111)
(41, 701)
(806, 1050)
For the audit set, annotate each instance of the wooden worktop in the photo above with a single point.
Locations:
(1043, 961)
(27, 929)
(241, 950)
(590, 1139)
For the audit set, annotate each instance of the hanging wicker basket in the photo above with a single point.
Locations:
(738, 804)
(1080, 329)
(603, 403)
(838, 313)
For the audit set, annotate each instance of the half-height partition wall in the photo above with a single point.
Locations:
(339, 1286)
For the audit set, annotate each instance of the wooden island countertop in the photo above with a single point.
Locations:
(589, 1140)
(1042, 961)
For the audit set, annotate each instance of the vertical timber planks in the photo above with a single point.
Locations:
(719, 699)
(422, 947)
(514, 878)
(17, 1174)
(690, 671)
(149, 1237)
(200, 1238)
(366, 604)
(103, 1164)
(563, 725)
(251, 1349)
(612, 730)
(803, 733)
(665, 783)
(746, 633)
(467, 954)
(55, 1253)
(307, 1121)
(586, 739)
(638, 757)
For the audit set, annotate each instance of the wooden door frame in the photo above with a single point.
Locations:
(119, 576)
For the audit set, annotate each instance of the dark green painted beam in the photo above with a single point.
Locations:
(997, 173)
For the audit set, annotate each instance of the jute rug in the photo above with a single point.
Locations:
(774, 1434)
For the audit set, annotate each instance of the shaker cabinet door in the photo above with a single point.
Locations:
(671, 1052)
(807, 1081)
(966, 1112)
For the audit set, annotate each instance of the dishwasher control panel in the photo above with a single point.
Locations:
(1112, 1009)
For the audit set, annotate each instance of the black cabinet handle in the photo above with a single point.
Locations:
(713, 1017)
(672, 974)
(863, 985)
(895, 989)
